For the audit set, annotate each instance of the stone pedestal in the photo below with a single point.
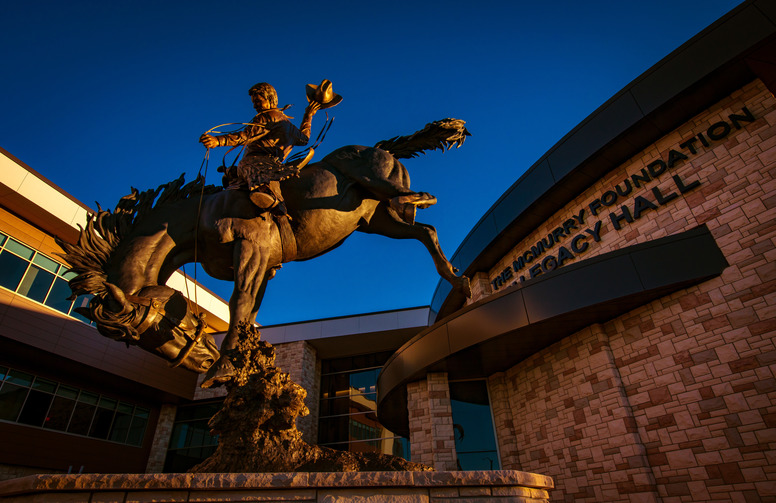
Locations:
(362, 487)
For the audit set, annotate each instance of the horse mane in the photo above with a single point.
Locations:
(442, 134)
(90, 255)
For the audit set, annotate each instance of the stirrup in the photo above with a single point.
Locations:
(262, 199)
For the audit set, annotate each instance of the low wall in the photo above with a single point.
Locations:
(363, 487)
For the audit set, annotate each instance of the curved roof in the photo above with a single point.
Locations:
(700, 72)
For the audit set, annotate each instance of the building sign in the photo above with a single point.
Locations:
(615, 207)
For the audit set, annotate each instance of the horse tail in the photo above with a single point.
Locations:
(442, 135)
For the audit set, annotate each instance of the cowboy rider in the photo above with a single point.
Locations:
(268, 141)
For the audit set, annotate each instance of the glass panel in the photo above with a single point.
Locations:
(120, 428)
(199, 411)
(103, 418)
(20, 378)
(126, 408)
(36, 283)
(475, 442)
(68, 275)
(3, 372)
(57, 297)
(82, 418)
(59, 413)
(11, 270)
(90, 398)
(364, 381)
(2, 238)
(44, 385)
(46, 263)
(137, 430)
(107, 403)
(19, 249)
(67, 391)
(11, 401)
(81, 301)
(35, 408)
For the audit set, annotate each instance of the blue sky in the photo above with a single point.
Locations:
(103, 96)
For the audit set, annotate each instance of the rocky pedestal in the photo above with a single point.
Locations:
(257, 423)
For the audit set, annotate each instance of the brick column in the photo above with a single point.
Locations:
(504, 426)
(161, 438)
(481, 287)
(432, 440)
(300, 360)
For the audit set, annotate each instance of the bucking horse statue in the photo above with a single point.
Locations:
(125, 257)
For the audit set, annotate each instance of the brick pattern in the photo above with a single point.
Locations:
(676, 400)
(480, 284)
(161, 440)
(432, 440)
(299, 359)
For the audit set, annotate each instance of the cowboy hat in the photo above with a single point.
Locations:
(323, 94)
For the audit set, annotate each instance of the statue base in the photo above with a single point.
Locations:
(474, 487)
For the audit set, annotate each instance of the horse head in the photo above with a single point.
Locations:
(157, 319)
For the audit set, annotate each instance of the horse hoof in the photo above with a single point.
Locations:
(466, 287)
(219, 374)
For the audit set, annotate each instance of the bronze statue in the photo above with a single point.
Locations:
(124, 258)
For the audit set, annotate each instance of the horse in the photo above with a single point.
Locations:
(124, 258)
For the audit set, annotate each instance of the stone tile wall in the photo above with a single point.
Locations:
(432, 440)
(676, 400)
(368, 487)
(299, 359)
(161, 440)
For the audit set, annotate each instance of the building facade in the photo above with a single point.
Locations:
(624, 319)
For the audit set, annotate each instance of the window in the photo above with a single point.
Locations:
(191, 441)
(475, 442)
(348, 417)
(34, 275)
(35, 401)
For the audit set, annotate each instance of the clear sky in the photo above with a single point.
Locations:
(103, 96)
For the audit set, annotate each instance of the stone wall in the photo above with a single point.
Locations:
(366, 487)
(676, 400)
(299, 360)
(432, 440)
(161, 440)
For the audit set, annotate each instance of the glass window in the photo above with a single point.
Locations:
(121, 422)
(39, 402)
(57, 297)
(19, 249)
(38, 277)
(103, 419)
(11, 270)
(191, 441)
(20, 378)
(138, 427)
(35, 408)
(11, 400)
(348, 418)
(59, 414)
(475, 442)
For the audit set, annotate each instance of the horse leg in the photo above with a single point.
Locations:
(387, 223)
(250, 265)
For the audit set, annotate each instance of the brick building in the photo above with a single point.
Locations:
(620, 337)
(624, 316)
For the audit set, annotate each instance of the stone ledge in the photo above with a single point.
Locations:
(103, 483)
